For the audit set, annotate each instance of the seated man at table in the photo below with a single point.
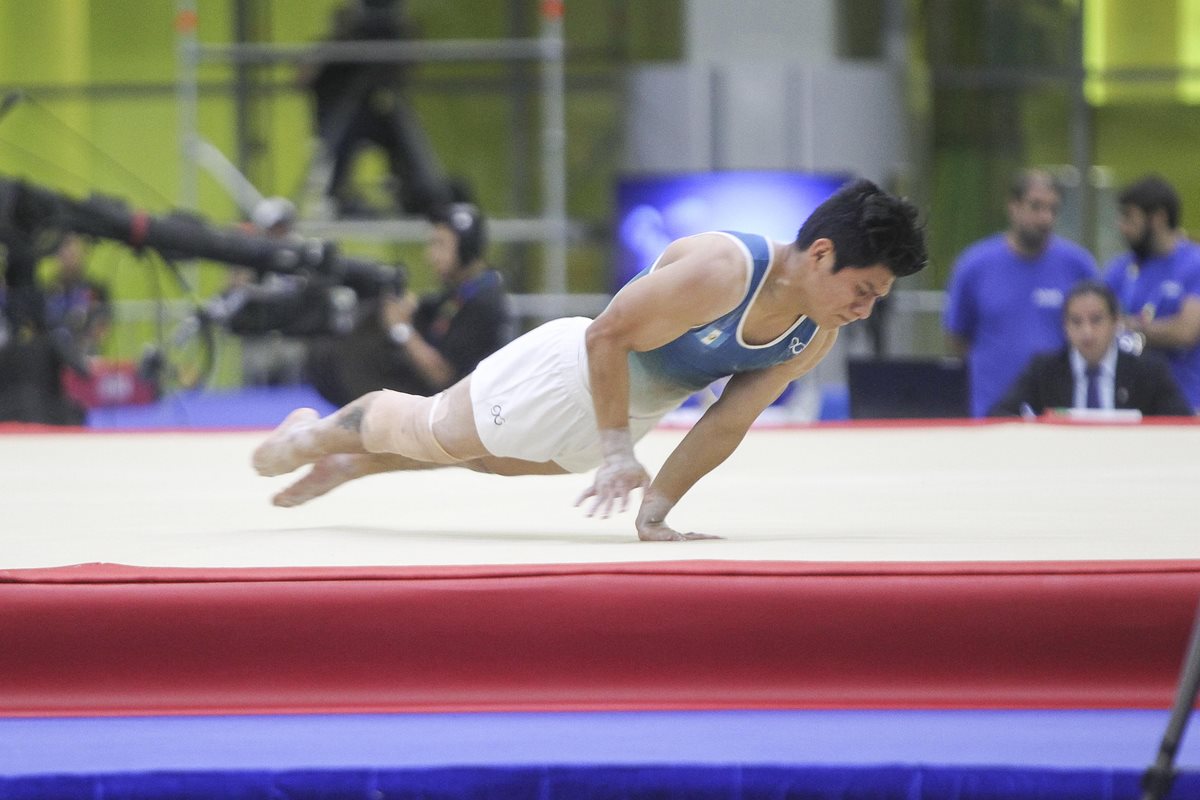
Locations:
(1093, 371)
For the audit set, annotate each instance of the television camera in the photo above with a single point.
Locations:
(33, 221)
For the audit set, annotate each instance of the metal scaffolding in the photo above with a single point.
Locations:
(550, 228)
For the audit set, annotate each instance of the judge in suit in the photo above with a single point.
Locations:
(1092, 371)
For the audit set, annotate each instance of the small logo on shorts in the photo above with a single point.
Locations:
(496, 418)
(796, 346)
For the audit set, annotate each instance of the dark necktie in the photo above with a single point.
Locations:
(1093, 385)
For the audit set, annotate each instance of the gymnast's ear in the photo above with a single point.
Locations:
(822, 251)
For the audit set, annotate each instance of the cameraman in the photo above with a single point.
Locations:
(421, 346)
(359, 103)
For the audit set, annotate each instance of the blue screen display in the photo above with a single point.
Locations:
(654, 210)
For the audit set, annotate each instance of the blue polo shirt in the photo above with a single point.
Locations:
(1159, 287)
(1009, 307)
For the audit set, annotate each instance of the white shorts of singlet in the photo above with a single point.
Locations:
(531, 399)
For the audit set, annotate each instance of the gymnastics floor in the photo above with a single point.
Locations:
(929, 610)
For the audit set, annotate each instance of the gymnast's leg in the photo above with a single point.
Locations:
(382, 432)
(438, 430)
(332, 471)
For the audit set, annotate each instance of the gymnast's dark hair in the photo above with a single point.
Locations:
(868, 226)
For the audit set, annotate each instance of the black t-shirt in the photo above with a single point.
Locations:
(464, 325)
(467, 324)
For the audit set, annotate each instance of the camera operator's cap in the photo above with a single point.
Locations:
(272, 211)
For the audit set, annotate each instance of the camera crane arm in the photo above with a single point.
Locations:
(29, 213)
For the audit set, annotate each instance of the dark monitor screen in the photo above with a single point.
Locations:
(907, 388)
(654, 210)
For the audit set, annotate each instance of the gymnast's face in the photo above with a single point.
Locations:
(849, 294)
(1090, 326)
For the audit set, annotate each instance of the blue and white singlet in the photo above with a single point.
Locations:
(717, 350)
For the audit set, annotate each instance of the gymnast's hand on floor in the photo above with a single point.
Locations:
(651, 522)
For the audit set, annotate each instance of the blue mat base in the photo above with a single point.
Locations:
(914, 755)
(584, 783)
(245, 408)
(1029, 740)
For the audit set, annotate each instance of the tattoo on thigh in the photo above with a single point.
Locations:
(351, 419)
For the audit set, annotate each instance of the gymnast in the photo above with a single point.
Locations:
(575, 394)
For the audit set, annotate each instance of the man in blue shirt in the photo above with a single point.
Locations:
(1005, 297)
(1158, 280)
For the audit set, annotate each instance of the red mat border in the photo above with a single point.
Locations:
(106, 639)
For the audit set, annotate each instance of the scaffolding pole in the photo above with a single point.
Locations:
(554, 149)
(376, 52)
(188, 94)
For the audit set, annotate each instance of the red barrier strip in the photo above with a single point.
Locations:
(681, 635)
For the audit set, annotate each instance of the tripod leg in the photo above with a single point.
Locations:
(1157, 780)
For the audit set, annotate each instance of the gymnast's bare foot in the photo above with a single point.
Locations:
(327, 474)
(282, 451)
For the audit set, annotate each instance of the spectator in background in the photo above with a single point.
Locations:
(78, 311)
(1158, 281)
(1092, 371)
(1005, 296)
(33, 354)
(5, 325)
(421, 347)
